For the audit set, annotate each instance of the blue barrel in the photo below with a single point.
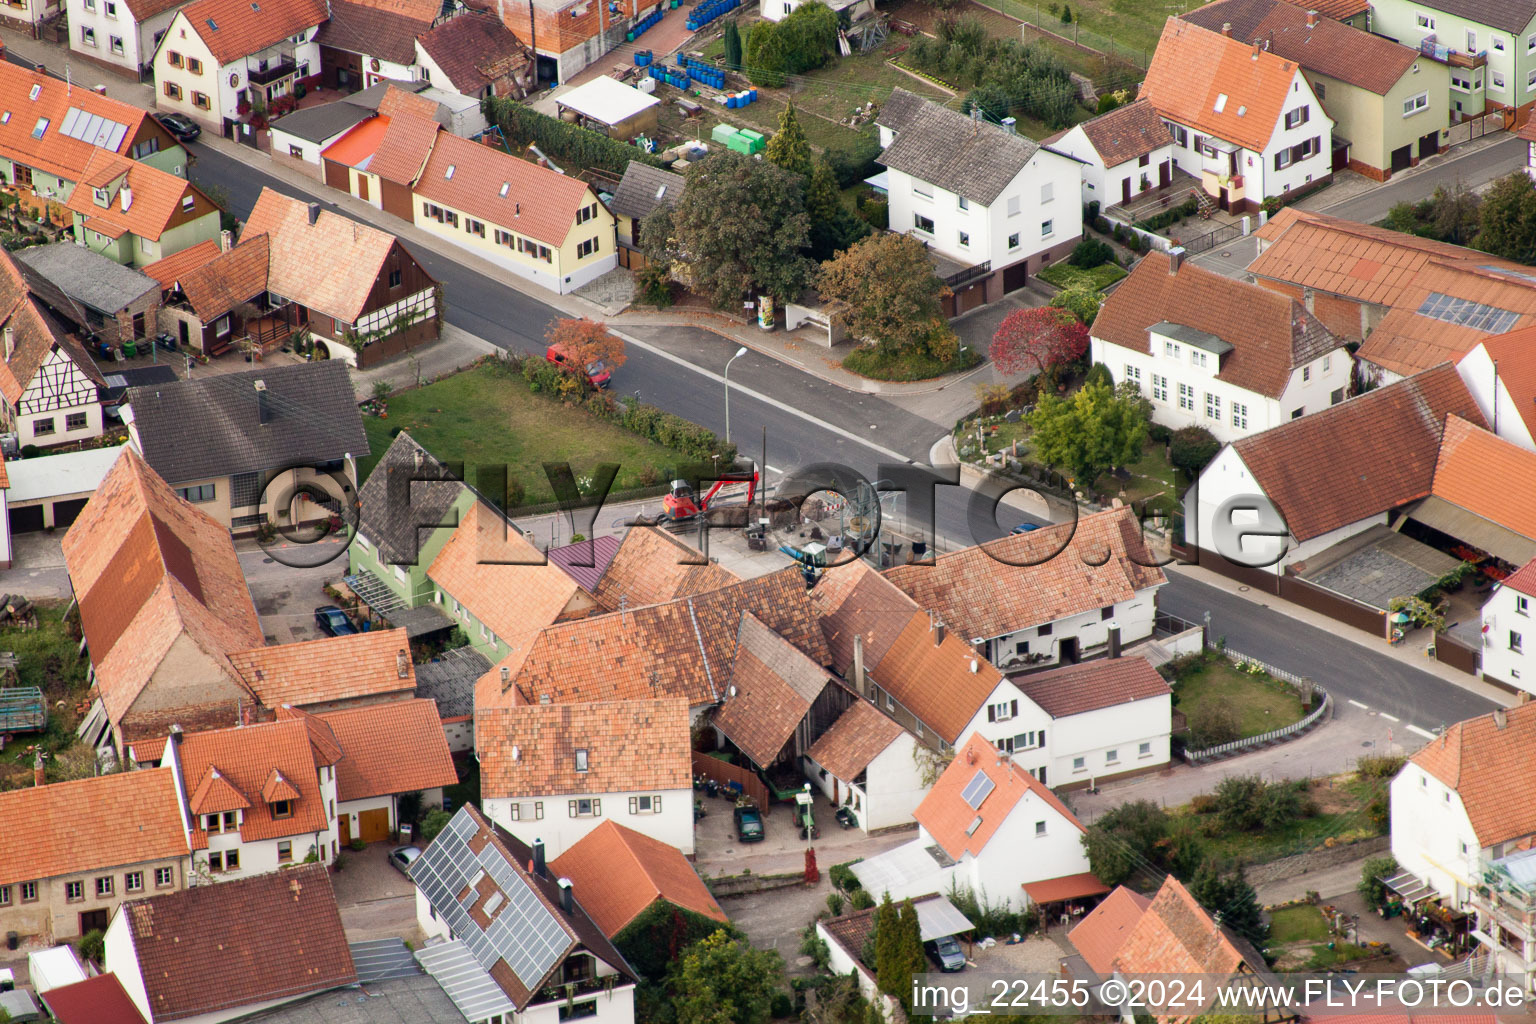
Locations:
(752, 93)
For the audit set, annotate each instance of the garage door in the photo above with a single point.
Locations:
(66, 512)
(1016, 276)
(26, 520)
(971, 298)
(373, 825)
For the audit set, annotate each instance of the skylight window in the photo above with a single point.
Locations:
(212, 24)
(1221, 103)
(977, 789)
(5, 118)
(1466, 313)
(449, 172)
(39, 128)
(1241, 111)
(35, 90)
(505, 186)
(661, 190)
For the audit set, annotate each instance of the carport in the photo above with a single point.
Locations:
(1376, 566)
(51, 491)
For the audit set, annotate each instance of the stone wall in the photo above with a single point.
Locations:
(1315, 860)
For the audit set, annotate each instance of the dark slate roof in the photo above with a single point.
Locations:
(449, 679)
(1509, 15)
(896, 111)
(120, 380)
(87, 277)
(973, 159)
(643, 188)
(328, 120)
(210, 427)
(393, 522)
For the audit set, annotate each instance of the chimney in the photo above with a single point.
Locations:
(538, 859)
(226, 240)
(37, 768)
(937, 628)
(1312, 19)
(1226, 29)
(1011, 125)
(10, 343)
(1114, 639)
(314, 213)
(858, 664)
(506, 676)
(1500, 718)
(402, 664)
(263, 406)
(40, 70)
(567, 901)
(126, 195)
(1256, 49)
(1175, 259)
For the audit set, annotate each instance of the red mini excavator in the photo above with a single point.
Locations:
(679, 504)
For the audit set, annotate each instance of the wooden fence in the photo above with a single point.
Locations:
(712, 768)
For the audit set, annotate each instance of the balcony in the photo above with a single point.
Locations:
(264, 72)
(1432, 49)
(964, 277)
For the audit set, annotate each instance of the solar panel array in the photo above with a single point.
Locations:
(1466, 313)
(525, 933)
(93, 128)
(977, 789)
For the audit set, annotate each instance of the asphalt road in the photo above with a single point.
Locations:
(1473, 169)
(810, 421)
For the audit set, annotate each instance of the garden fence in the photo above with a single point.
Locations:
(1307, 687)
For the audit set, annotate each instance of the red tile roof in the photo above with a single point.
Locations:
(96, 1000)
(616, 873)
(404, 149)
(228, 280)
(232, 29)
(329, 669)
(1126, 133)
(1098, 937)
(1339, 10)
(149, 569)
(538, 202)
(947, 817)
(1176, 936)
(246, 757)
(1068, 887)
(323, 743)
(170, 269)
(157, 198)
(35, 335)
(1471, 459)
(632, 746)
(654, 567)
(773, 687)
(1092, 685)
(218, 947)
(1031, 578)
(1515, 355)
(215, 795)
(859, 735)
(1357, 459)
(56, 152)
(1270, 334)
(368, 30)
(390, 748)
(476, 50)
(499, 576)
(1489, 766)
(1193, 68)
(1523, 579)
(357, 146)
(90, 825)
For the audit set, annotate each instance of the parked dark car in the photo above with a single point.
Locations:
(182, 127)
(749, 824)
(1024, 528)
(945, 954)
(402, 857)
(333, 621)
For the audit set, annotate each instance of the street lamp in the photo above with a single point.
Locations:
(739, 353)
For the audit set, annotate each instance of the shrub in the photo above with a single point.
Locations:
(358, 844)
(860, 899)
(855, 162)
(1133, 241)
(436, 820)
(1090, 253)
(1284, 802)
(876, 212)
(1092, 210)
(92, 945)
(1159, 433)
(1102, 225)
(561, 141)
(655, 285)
(1098, 373)
(1239, 803)
(815, 947)
(1215, 722)
(1192, 449)
(1375, 893)
(835, 903)
(1379, 766)
(1108, 102)
(842, 877)
(782, 1006)
(383, 388)
(1203, 803)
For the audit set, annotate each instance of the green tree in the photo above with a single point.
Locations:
(1081, 301)
(1089, 432)
(767, 55)
(1509, 219)
(788, 148)
(1228, 894)
(1192, 449)
(884, 290)
(1371, 874)
(732, 46)
(834, 227)
(910, 960)
(887, 925)
(740, 228)
(436, 820)
(723, 980)
(1457, 213)
(1125, 838)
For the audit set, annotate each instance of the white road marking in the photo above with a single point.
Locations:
(1362, 707)
(1390, 718)
(1422, 732)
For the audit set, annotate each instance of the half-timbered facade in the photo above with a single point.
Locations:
(49, 388)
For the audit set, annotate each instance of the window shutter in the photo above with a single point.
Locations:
(1013, 709)
(991, 712)
(634, 805)
(656, 803)
(597, 808)
(573, 808)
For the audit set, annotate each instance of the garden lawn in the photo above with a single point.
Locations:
(1297, 924)
(1065, 275)
(1344, 815)
(46, 657)
(1153, 479)
(1263, 703)
(486, 416)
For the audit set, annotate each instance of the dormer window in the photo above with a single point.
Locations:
(581, 759)
(281, 808)
(187, 203)
(103, 197)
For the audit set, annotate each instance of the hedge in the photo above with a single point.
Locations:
(1154, 224)
(561, 141)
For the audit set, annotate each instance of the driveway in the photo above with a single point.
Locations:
(775, 919)
(781, 851)
(375, 900)
(286, 596)
(37, 566)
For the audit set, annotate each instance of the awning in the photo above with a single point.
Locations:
(1471, 528)
(880, 182)
(937, 917)
(469, 985)
(1408, 886)
(1067, 887)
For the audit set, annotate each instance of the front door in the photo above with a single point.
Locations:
(186, 333)
(344, 828)
(1164, 174)
(93, 921)
(362, 187)
(1224, 201)
(1125, 190)
(835, 791)
(138, 325)
(1067, 653)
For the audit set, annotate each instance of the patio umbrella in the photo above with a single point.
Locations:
(1401, 617)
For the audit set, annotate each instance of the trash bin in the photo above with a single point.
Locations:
(130, 349)
(12, 940)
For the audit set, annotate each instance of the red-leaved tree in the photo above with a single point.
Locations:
(585, 342)
(1038, 339)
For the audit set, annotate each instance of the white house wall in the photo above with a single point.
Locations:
(673, 825)
(1503, 661)
(1493, 398)
(118, 957)
(1431, 834)
(1109, 741)
(893, 786)
(1015, 854)
(1135, 617)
